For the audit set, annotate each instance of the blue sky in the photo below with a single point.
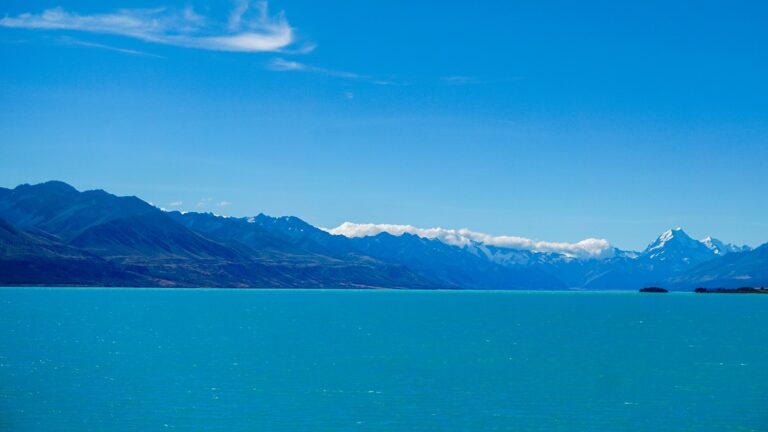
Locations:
(550, 120)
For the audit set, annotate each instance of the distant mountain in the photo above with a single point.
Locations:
(33, 258)
(241, 234)
(103, 223)
(140, 241)
(53, 234)
(672, 253)
(721, 248)
(676, 248)
(734, 270)
(307, 255)
(454, 267)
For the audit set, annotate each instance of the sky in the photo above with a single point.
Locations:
(555, 121)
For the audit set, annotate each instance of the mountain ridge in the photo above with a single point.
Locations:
(126, 241)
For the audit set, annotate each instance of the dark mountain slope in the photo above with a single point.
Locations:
(238, 233)
(150, 235)
(27, 259)
(736, 269)
(104, 224)
(58, 208)
(136, 238)
(300, 234)
(450, 266)
(311, 257)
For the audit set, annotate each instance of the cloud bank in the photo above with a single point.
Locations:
(249, 28)
(590, 248)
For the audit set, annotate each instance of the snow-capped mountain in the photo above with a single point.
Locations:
(721, 248)
(676, 245)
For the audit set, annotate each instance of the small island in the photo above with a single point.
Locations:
(742, 290)
(653, 290)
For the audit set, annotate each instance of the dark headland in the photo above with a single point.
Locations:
(742, 290)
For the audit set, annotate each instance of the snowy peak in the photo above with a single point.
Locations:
(671, 237)
(675, 245)
(676, 242)
(670, 234)
(721, 248)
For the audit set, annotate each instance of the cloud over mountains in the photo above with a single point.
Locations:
(588, 248)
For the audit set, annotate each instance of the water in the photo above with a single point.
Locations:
(228, 360)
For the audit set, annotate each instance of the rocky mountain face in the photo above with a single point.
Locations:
(52, 234)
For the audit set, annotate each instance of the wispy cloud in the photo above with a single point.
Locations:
(204, 202)
(283, 65)
(249, 29)
(224, 204)
(236, 16)
(458, 80)
(175, 204)
(77, 42)
(466, 80)
(589, 248)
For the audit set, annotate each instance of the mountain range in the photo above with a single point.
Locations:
(53, 234)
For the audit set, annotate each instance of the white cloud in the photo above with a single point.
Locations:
(76, 42)
(458, 80)
(224, 204)
(283, 65)
(175, 204)
(204, 202)
(589, 248)
(185, 28)
(236, 16)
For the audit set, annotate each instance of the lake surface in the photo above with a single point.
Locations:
(269, 360)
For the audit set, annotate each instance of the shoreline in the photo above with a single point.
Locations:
(326, 289)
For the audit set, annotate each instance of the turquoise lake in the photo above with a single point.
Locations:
(301, 360)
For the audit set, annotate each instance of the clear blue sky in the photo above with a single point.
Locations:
(551, 120)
